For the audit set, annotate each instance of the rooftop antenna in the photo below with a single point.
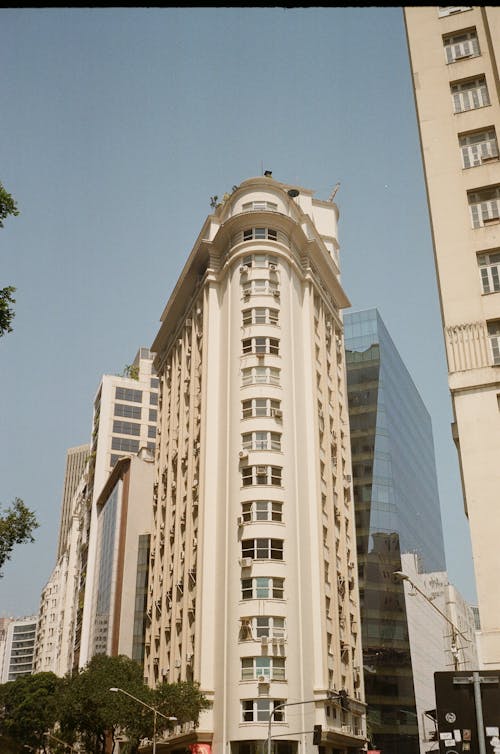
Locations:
(333, 192)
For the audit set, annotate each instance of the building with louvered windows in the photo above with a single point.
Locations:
(454, 53)
(253, 572)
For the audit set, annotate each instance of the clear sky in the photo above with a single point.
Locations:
(117, 126)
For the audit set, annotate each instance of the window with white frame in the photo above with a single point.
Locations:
(260, 375)
(262, 345)
(262, 510)
(126, 428)
(461, 45)
(261, 260)
(494, 336)
(271, 626)
(261, 475)
(260, 315)
(484, 206)
(259, 710)
(259, 205)
(262, 549)
(262, 588)
(448, 10)
(478, 147)
(489, 270)
(270, 668)
(260, 407)
(469, 95)
(260, 287)
(260, 234)
(261, 440)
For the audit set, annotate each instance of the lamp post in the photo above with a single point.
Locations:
(455, 632)
(290, 704)
(153, 709)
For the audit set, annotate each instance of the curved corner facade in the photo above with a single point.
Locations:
(253, 575)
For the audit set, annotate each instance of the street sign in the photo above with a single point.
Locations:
(468, 711)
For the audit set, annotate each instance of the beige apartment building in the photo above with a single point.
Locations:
(253, 579)
(454, 54)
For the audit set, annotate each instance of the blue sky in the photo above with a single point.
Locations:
(117, 126)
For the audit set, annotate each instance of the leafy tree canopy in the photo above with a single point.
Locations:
(30, 707)
(8, 207)
(16, 527)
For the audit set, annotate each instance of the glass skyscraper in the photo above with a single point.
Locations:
(397, 511)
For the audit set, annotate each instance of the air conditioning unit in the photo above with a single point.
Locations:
(273, 267)
(346, 729)
(264, 640)
(261, 470)
(262, 679)
(278, 413)
(177, 663)
(243, 454)
(246, 562)
(244, 269)
(348, 479)
(189, 322)
(276, 294)
(240, 521)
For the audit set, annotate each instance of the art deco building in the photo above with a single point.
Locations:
(454, 53)
(253, 556)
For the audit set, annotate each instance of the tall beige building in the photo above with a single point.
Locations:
(253, 580)
(454, 58)
(76, 460)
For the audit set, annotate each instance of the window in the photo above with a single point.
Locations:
(124, 444)
(259, 710)
(260, 287)
(262, 588)
(262, 510)
(261, 260)
(484, 206)
(155, 382)
(489, 270)
(126, 428)
(261, 345)
(130, 412)
(261, 441)
(256, 375)
(448, 10)
(153, 399)
(271, 626)
(462, 45)
(260, 407)
(262, 205)
(262, 549)
(271, 668)
(153, 414)
(251, 234)
(114, 459)
(478, 147)
(256, 475)
(260, 316)
(469, 95)
(126, 394)
(494, 336)
(151, 431)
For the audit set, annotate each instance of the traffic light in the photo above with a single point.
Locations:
(317, 735)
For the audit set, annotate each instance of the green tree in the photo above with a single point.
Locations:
(30, 706)
(8, 207)
(16, 527)
(182, 700)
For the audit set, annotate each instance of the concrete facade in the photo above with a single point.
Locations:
(253, 557)
(454, 52)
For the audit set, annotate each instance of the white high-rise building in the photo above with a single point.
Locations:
(19, 648)
(454, 53)
(253, 581)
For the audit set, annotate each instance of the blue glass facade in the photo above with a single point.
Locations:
(397, 511)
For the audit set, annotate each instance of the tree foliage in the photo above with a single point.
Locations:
(8, 207)
(30, 706)
(16, 527)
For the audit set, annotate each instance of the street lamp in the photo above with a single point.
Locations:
(455, 632)
(153, 709)
(59, 741)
